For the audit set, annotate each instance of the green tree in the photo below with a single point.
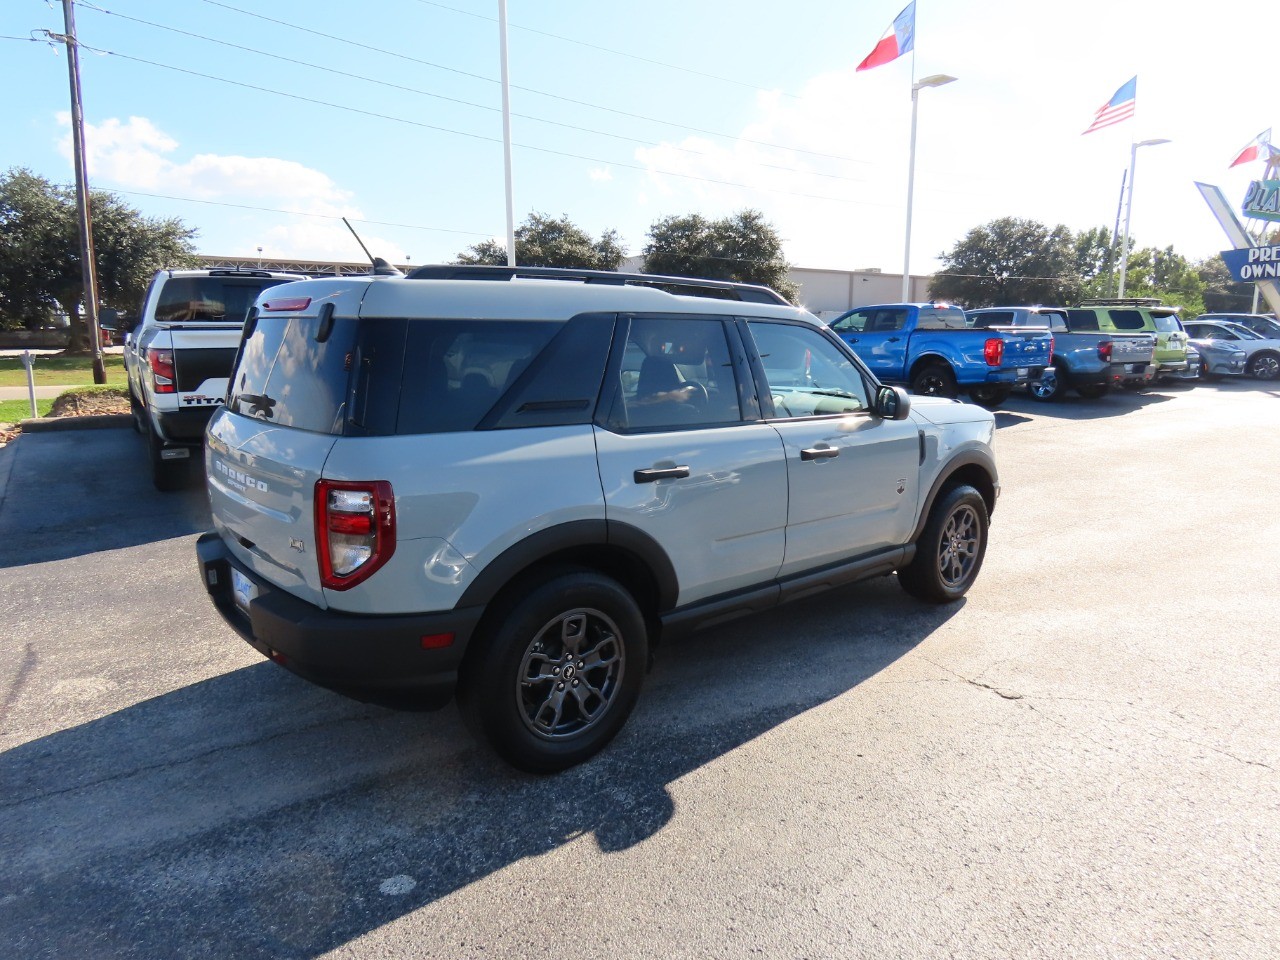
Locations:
(1222, 292)
(1010, 261)
(743, 248)
(40, 264)
(545, 242)
(1166, 275)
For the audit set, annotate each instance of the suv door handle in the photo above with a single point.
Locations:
(661, 473)
(819, 453)
(893, 340)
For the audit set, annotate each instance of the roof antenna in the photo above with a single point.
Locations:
(380, 267)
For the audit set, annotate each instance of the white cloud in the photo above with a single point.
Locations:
(600, 174)
(138, 155)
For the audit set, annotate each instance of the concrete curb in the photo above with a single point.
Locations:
(101, 421)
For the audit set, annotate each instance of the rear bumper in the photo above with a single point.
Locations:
(184, 426)
(372, 658)
(1010, 377)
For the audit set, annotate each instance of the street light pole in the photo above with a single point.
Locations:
(1128, 209)
(506, 133)
(937, 80)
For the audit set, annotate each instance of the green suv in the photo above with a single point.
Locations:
(1139, 315)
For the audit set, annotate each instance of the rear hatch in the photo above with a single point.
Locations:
(286, 409)
(1171, 340)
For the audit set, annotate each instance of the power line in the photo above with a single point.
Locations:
(477, 136)
(541, 93)
(609, 50)
(426, 93)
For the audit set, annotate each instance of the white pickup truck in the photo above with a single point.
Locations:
(180, 354)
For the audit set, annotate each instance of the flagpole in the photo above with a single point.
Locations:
(911, 180)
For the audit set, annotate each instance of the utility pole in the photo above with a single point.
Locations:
(87, 263)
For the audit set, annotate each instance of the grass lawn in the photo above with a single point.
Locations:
(13, 411)
(52, 371)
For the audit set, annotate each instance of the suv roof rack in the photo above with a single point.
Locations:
(722, 289)
(1122, 302)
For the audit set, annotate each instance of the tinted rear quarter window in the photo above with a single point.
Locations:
(385, 376)
(1166, 322)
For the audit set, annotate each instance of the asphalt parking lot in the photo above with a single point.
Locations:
(1079, 759)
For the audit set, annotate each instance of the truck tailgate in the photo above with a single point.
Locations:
(1027, 348)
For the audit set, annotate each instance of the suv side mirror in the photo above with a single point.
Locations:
(892, 403)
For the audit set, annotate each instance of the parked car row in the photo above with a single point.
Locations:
(1101, 344)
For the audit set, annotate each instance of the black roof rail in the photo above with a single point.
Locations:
(1122, 302)
(690, 286)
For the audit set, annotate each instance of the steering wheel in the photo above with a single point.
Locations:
(696, 394)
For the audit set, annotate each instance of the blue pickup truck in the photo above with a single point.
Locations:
(932, 349)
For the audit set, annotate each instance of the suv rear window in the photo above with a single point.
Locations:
(1127, 320)
(997, 318)
(211, 298)
(1166, 322)
(378, 377)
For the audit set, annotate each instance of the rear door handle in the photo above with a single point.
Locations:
(819, 453)
(893, 340)
(664, 473)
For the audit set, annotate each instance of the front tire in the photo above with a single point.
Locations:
(934, 380)
(556, 670)
(950, 551)
(1265, 366)
(989, 396)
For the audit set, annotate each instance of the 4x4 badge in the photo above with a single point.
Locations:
(302, 547)
(902, 486)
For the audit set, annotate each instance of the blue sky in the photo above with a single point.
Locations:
(626, 113)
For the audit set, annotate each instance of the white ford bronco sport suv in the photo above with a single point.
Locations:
(512, 483)
(179, 355)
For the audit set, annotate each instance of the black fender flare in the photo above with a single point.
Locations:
(962, 463)
(576, 538)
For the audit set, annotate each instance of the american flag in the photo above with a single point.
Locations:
(1118, 108)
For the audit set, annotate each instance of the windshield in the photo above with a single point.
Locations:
(1244, 332)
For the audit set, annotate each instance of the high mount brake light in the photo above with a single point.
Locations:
(993, 352)
(163, 378)
(355, 530)
(289, 303)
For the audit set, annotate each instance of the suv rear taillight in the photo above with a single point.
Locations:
(355, 530)
(993, 352)
(1104, 351)
(163, 379)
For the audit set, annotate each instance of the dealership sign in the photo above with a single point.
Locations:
(1262, 200)
(1256, 263)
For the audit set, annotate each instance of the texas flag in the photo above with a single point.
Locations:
(900, 38)
(1257, 148)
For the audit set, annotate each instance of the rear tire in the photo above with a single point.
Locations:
(1093, 391)
(989, 396)
(167, 475)
(949, 552)
(555, 672)
(934, 380)
(1051, 385)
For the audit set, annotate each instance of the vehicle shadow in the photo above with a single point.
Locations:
(75, 492)
(254, 815)
(1115, 403)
